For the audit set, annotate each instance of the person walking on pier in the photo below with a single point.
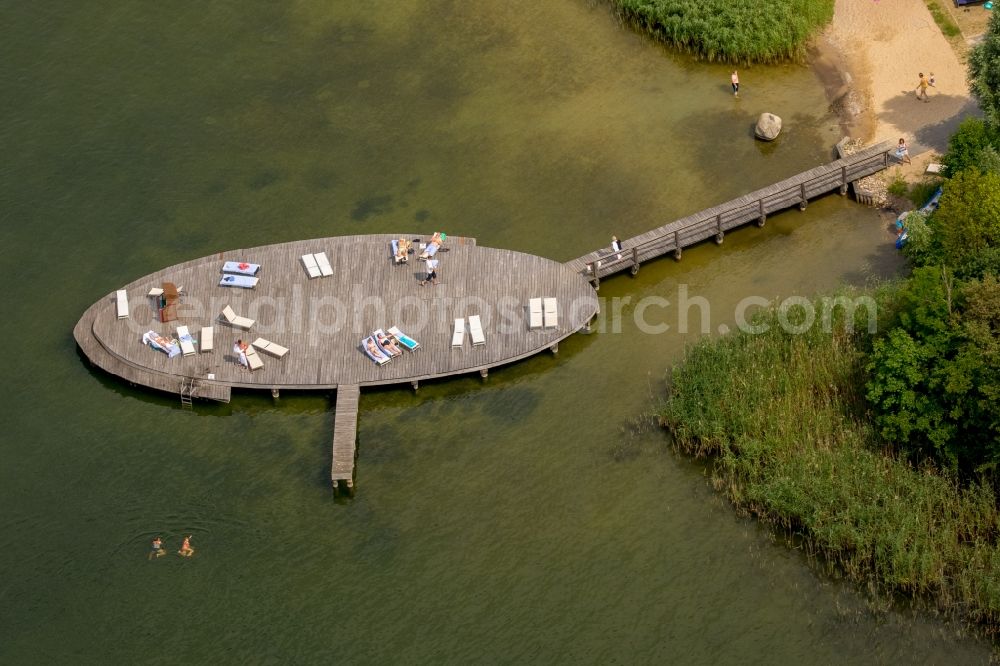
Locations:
(735, 79)
(616, 246)
(432, 275)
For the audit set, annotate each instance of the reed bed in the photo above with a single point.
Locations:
(784, 418)
(736, 31)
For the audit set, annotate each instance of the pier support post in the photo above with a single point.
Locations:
(843, 180)
(635, 261)
(415, 384)
(554, 348)
(719, 235)
(762, 216)
(677, 246)
(802, 193)
(761, 220)
(484, 373)
(275, 393)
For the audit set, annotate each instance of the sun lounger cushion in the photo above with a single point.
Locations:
(235, 320)
(458, 334)
(324, 264)
(207, 338)
(535, 313)
(380, 358)
(156, 341)
(312, 268)
(253, 359)
(121, 303)
(242, 281)
(272, 348)
(476, 330)
(408, 343)
(551, 313)
(241, 268)
(187, 342)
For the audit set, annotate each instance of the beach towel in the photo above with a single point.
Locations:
(156, 341)
(242, 281)
(240, 268)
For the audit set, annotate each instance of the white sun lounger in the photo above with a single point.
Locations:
(551, 313)
(458, 335)
(272, 348)
(535, 313)
(121, 303)
(234, 319)
(241, 281)
(476, 330)
(312, 268)
(408, 343)
(207, 338)
(241, 268)
(253, 359)
(325, 269)
(187, 342)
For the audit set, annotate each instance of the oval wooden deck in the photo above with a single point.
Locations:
(323, 320)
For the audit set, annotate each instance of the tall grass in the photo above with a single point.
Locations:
(738, 31)
(784, 417)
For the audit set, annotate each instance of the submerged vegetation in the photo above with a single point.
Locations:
(728, 30)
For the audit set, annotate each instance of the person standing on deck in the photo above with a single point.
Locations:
(616, 246)
(735, 79)
(432, 275)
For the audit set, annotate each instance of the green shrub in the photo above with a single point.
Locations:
(966, 145)
(730, 30)
(898, 187)
(793, 444)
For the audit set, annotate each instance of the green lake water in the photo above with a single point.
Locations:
(530, 518)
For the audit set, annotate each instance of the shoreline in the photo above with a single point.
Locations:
(878, 103)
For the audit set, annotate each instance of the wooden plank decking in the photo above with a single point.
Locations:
(715, 221)
(345, 433)
(323, 320)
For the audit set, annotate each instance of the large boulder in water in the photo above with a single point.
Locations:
(768, 127)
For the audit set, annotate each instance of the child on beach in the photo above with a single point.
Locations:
(735, 79)
(902, 152)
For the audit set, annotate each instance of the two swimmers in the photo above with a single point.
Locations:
(157, 550)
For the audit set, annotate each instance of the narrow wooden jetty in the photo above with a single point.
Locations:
(715, 221)
(345, 436)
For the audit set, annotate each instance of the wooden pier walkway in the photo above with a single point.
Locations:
(345, 436)
(715, 221)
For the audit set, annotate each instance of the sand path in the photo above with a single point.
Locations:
(886, 44)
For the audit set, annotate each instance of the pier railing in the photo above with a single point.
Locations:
(752, 207)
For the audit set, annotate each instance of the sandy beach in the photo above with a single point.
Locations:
(883, 46)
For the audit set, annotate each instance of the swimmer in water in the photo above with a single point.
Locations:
(186, 549)
(157, 549)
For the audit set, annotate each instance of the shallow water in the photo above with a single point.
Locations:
(530, 517)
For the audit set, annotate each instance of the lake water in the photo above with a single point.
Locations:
(533, 517)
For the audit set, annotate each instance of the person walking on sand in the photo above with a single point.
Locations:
(186, 549)
(902, 152)
(157, 549)
(735, 79)
(922, 88)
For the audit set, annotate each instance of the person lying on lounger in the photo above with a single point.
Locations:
(437, 240)
(388, 344)
(402, 250)
(374, 350)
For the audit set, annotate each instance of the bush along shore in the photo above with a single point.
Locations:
(729, 30)
(786, 420)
